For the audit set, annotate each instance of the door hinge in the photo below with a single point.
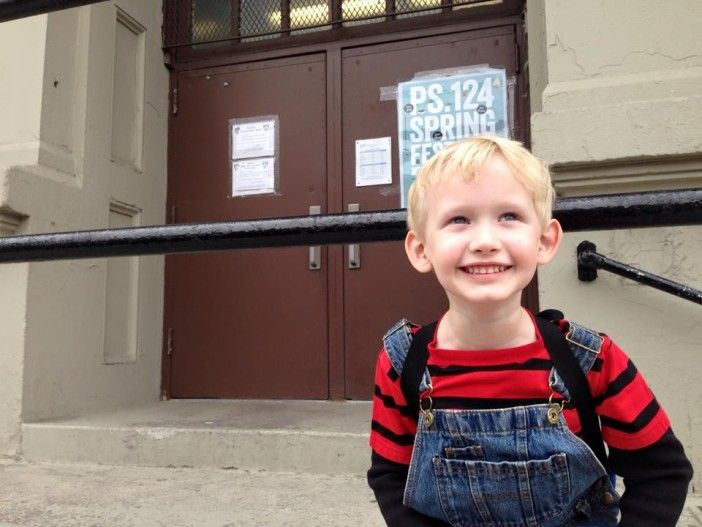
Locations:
(174, 101)
(169, 342)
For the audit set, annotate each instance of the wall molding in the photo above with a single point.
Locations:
(10, 223)
(120, 207)
(627, 175)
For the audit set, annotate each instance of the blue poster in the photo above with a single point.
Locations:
(435, 112)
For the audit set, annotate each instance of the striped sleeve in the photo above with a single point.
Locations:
(630, 415)
(393, 425)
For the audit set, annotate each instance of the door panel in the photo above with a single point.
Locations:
(386, 288)
(249, 323)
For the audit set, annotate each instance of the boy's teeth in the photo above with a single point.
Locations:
(484, 269)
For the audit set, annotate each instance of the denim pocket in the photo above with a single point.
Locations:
(502, 494)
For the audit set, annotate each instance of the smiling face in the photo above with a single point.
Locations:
(482, 238)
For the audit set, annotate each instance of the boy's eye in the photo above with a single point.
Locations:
(459, 220)
(509, 216)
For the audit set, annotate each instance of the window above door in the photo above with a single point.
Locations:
(207, 24)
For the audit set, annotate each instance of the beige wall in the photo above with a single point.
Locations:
(20, 111)
(13, 303)
(627, 70)
(83, 146)
(19, 125)
(617, 107)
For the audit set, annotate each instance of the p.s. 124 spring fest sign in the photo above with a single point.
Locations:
(437, 111)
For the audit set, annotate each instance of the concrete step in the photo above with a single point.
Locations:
(324, 437)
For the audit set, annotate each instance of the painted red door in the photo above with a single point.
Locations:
(248, 323)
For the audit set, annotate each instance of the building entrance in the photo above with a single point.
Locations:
(270, 323)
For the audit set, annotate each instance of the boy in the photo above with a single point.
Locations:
(487, 449)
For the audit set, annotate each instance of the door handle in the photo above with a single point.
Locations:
(354, 248)
(315, 257)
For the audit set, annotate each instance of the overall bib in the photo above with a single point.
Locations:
(511, 467)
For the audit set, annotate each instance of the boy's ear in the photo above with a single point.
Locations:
(416, 252)
(549, 241)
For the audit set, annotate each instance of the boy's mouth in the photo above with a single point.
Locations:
(485, 269)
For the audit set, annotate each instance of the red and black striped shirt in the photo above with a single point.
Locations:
(630, 415)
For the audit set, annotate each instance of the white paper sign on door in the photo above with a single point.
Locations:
(253, 139)
(253, 176)
(254, 155)
(373, 161)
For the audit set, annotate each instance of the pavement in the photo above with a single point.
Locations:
(81, 495)
(86, 495)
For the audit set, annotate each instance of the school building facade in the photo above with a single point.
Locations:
(127, 113)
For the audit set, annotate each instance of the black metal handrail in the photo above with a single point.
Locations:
(171, 239)
(589, 261)
(645, 209)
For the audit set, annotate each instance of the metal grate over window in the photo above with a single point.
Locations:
(208, 23)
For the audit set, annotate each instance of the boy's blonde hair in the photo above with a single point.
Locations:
(465, 158)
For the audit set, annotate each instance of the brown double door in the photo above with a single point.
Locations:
(262, 323)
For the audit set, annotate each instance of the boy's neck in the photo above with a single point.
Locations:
(487, 329)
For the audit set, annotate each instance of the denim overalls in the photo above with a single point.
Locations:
(511, 467)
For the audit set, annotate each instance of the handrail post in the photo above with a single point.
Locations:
(586, 271)
(589, 261)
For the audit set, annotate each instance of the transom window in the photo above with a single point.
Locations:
(211, 22)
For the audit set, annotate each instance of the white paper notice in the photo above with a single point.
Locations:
(253, 176)
(253, 139)
(373, 162)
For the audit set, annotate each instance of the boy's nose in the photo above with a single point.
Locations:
(484, 239)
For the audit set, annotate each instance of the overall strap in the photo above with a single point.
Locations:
(576, 382)
(415, 364)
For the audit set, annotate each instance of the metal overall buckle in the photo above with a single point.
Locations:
(425, 407)
(555, 409)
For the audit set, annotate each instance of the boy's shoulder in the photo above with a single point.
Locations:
(402, 326)
(577, 335)
(397, 341)
(583, 337)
